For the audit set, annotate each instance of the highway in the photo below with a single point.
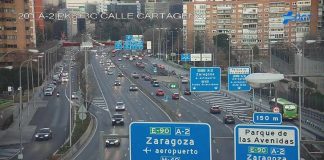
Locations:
(191, 109)
(53, 115)
(139, 107)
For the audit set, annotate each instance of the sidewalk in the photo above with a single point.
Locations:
(11, 136)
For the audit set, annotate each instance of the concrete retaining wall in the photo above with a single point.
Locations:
(78, 145)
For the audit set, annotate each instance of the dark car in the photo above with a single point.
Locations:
(156, 84)
(117, 83)
(133, 87)
(229, 119)
(120, 74)
(215, 109)
(147, 78)
(187, 91)
(135, 75)
(175, 96)
(112, 141)
(155, 65)
(43, 134)
(117, 119)
(143, 75)
(153, 79)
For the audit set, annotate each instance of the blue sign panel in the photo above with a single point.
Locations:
(266, 142)
(236, 78)
(185, 57)
(129, 38)
(118, 45)
(205, 79)
(267, 118)
(169, 141)
(127, 45)
(290, 17)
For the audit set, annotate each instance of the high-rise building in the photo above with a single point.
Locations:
(250, 23)
(16, 33)
(38, 8)
(119, 8)
(156, 6)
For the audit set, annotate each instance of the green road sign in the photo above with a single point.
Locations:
(173, 85)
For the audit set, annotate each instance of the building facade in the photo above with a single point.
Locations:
(16, 30)
(120, 8)
(251, 23)
(156, 6)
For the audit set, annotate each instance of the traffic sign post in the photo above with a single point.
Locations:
(169, 141)
(236, 78)
(267, 118)
(205, 79)
(266, 142)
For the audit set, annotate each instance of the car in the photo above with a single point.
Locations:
(51, 85)
(110, 72)
(117, 119)
(154, 64)
(112, 141)
(141, 66)
(74, 95)
(147, 78)
(65, 79)
(48, 92)
(175, 96)
(229, 119)
(187, 91)
(153, 79)
(156, 84)
(140, 58)
(160, 66)
(117, 83)
(143, 75)
(112, 65)
(120, 74)
(119, 59)
(159, 92)
(133, 87)
(43, 134)
(124, 56)
(184, 80)
(135, 75)
(215, 109)
(120, 106)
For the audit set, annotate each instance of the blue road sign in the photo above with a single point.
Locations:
(266, 142)
(118, 45)
(166, 141)
(129, 38)
(185, 57)
(267, 118)
(236, 78)
(127, 45)
(205, 79)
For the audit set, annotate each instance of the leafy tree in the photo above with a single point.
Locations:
(198, 43)
(221, 41)
(39, 37)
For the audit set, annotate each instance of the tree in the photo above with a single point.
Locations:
(256, 50)
(39, 37)
(198, 43)
(221, 42)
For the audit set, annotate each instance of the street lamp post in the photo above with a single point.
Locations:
(229, 51)
(20, 107)
(270, 58)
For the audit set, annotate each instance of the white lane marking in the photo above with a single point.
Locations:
(101, 91)
(232, 131)
(217, 151)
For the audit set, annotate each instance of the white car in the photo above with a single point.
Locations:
(119, 59)
(48, 92)
(65, 79)
(74, 95)
(184, 80)
(120, 106)
(140, 58)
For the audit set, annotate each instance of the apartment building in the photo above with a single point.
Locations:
(251, 23)
(156, 6)
(16, 30)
